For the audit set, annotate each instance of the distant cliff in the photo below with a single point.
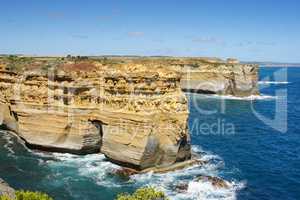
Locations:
(213, 75)
(207, 75)
(221, 78)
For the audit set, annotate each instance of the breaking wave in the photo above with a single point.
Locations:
(195, 190)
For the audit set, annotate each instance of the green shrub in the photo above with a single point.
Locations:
(147, 193)
(5, 198)
(27, 195)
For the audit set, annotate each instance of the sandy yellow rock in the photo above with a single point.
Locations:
(109, 110)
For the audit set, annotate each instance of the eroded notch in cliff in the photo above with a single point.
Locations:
(93, 138)
(184, 150)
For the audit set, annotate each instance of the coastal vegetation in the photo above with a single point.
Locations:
(147, 193)
(27, 195)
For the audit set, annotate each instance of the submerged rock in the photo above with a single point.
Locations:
(124, 173)
(214, 181)
(6, 190)
(182, 187)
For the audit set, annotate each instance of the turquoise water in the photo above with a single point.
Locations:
(258, 157)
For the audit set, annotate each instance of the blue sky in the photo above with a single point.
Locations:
(253, 30)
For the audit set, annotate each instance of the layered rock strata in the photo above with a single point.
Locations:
(135, 115)
(212, 75)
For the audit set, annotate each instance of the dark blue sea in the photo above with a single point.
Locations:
(252, 143)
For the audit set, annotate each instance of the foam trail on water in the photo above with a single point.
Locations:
(272, 82)
(247, 98)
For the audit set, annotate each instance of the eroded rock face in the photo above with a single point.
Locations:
(135, 115)
(209, 75)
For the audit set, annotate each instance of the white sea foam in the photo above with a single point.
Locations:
(206, 191)
(247, 98)
(196, 190)
(272, 82)
(93, 166)
(96, 168)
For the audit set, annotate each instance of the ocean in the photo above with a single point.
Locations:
(253, 143)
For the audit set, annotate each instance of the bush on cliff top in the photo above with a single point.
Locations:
(147, 193)
(27, 195)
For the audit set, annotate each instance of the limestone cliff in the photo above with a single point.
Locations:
(212, 75)
(134, 114)
(207, 75)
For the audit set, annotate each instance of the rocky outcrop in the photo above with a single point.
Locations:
(214, 181)
(134, 114)
(222, 78)
(6, 190)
